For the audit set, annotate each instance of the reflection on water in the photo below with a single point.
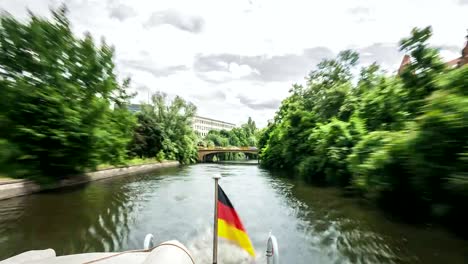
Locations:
(313, 225)
(76, 220)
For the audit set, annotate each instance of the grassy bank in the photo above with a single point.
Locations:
(5, 178)
(128, 163)
(131, 162)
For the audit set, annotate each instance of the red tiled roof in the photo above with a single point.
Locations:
(406, 60)
(453, 62)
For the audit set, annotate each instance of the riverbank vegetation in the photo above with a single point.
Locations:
(401, 141)
(164, 130)
(130, 162)
(63, 110)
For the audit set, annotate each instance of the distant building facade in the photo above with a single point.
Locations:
(134, 108)
(202, 125)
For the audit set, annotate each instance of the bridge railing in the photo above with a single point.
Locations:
(227, 148)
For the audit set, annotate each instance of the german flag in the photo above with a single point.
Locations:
(229, 224)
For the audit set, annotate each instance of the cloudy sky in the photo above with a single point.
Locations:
(239, 58)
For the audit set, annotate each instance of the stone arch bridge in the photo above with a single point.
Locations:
(203, 153)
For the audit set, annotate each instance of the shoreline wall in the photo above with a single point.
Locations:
(15, 188)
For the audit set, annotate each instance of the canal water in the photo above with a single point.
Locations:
(313, 225)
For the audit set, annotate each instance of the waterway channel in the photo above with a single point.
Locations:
(313, 225)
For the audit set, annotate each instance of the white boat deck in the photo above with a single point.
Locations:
(168, 252)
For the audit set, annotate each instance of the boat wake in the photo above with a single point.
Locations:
(202, 251)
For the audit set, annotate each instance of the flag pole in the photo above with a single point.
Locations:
(215, 221)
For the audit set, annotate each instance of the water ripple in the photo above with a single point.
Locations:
(313, 225)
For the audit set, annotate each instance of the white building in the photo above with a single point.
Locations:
(203, 125)
(134, 108)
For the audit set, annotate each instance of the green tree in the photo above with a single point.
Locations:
(60, 98)
(419, 76)
(385, 106)
(147, 137)
(166, 126)
(399, 140)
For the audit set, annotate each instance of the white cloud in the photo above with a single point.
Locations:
(240, 70)
(122, 12)
(186, 22)
(236, 59)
